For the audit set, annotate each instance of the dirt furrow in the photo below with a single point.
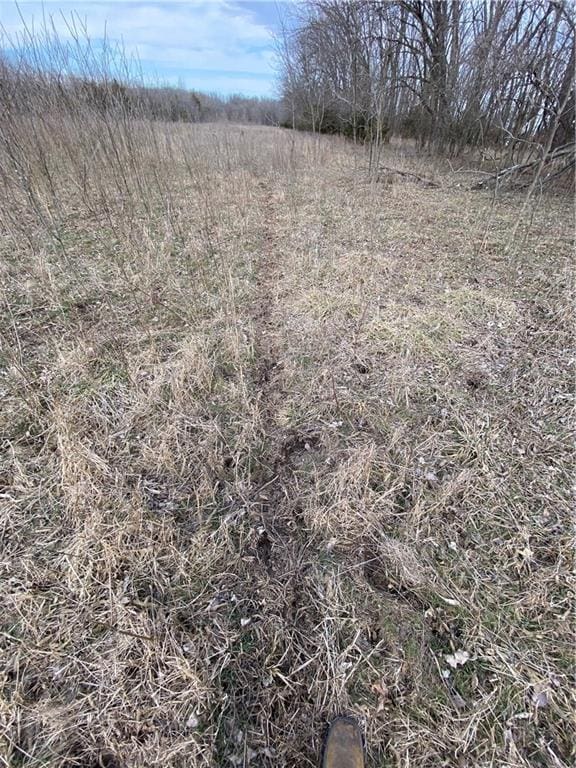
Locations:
(270, 482)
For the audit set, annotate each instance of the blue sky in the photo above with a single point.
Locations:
(219, 46)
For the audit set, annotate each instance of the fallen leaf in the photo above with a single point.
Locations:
(382, 690)
(526, 553)
(450, 601)
(540, 697)
(459, 702)
(457, 659)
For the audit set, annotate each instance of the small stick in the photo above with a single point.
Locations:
(335, 395)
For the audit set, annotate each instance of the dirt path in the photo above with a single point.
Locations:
(273, 488)
(278, 548)
(267, 480)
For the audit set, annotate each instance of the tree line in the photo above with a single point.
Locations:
(20, 88)
(447, 73)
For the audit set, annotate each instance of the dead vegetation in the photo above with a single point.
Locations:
(279, 443)
(553, 168)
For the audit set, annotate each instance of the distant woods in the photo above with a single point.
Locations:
(449, 74)
(42, 68)
(69, 92)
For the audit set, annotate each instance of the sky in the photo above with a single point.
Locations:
(216, 46)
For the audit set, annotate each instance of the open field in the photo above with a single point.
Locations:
(279, 442)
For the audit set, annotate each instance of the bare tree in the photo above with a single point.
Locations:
(449, 74)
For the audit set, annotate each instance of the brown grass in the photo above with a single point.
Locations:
(277, 441)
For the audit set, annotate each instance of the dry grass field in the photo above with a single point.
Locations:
(279, 442)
